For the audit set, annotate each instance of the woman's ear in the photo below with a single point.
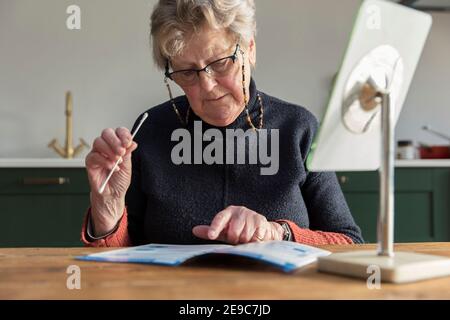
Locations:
(252, 52)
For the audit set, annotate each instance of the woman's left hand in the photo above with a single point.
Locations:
(237, 224)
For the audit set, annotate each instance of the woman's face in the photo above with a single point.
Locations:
(216, 100)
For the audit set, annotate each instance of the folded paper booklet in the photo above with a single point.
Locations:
(282, 254)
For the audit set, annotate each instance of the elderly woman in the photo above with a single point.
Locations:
(207, 48)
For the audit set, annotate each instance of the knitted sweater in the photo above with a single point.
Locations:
(166, 200)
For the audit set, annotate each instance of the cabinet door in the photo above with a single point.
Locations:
(441, 203)
(364, 208)
(42, 207)
(42, 220)
(415, 214)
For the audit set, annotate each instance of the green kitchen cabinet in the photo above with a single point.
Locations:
(42, 207)
(422, 207)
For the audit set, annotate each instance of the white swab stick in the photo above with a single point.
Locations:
(102, 187)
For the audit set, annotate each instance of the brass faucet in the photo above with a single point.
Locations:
(68, 151)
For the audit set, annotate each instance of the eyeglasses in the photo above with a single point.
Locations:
(218, 68)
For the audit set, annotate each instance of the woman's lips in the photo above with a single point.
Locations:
(216, 99)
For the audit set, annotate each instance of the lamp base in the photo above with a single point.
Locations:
(401, 268)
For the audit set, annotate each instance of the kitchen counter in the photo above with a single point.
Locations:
(79, 163)
(423, 163)
(41, 163)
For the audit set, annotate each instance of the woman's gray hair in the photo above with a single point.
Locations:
(174, 21)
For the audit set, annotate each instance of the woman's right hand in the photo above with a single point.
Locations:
(107, 207)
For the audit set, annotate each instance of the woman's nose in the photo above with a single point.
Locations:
(206, 81)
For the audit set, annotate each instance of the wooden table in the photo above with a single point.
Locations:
(40, 273)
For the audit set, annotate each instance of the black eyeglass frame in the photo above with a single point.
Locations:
(206, 69)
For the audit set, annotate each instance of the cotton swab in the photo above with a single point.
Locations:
(102, 187)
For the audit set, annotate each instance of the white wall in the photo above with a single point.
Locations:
(108, 67)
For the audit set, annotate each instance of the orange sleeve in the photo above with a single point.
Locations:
(310, 237)
(119, 238)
